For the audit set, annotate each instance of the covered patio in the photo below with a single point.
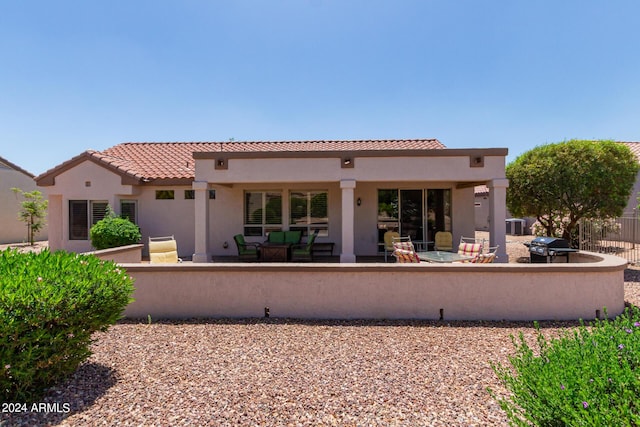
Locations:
(348, 192)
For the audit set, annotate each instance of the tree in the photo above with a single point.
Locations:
(563, 182)
(32, 212)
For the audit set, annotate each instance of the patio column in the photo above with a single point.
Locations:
(347, 186)
(497, 216)
(201, 221)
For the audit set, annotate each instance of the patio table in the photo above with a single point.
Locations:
(275, 252)
(442, 256)
(422, 245)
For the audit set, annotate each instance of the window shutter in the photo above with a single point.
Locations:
(128, 210)
(98, 211)
(78, 220)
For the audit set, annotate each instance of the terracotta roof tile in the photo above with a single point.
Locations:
(481, 190)
(634, 147)
(174, 160)
(15, 167)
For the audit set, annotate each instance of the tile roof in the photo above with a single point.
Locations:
(481, 190)
(174, 160)
(634, 147)
(15, 167)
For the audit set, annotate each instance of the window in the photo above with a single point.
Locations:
(165, 195)
(262, 212)
(81, 214)
(129, 210)
(191, 194)
(309, 212)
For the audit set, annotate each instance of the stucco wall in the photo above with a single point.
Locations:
(385, 291)
(89, 181)
(411, 168)
(12, 230)
(121, 254)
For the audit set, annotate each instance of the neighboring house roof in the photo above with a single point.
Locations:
(481, 190)
(634, 147)
(10, 165)
(173, 161)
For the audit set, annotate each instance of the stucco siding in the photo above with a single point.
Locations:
(383, 291)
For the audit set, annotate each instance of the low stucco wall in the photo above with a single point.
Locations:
(384, 291)
(121, 254)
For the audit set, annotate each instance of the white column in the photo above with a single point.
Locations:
(497, 217)
(347, 254)
(201, 221)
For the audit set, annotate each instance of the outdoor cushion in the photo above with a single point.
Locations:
(302, 251)
(165, 251)
(405, 256)
(404, 245)
(444, 241)
(470, 249)
(484, 258)
(292, 237)
(246, 250)
(276, 237)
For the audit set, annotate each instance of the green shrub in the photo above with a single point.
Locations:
(586, 377)
(50, 304)
(112, 231)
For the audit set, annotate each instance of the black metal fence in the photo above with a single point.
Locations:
(617, 236)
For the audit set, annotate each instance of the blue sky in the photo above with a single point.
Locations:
(77, 75)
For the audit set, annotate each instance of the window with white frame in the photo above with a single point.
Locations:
(262, 212)
(82, 215)
(309, 211)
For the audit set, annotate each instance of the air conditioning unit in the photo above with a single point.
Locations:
(515, 226)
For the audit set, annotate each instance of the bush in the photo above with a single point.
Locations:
(50, 304)
(111, 232)
(584, 378)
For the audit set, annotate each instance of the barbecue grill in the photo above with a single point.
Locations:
(546, 249)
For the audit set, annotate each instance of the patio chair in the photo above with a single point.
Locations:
(443, 241)
(406, 256)
(470, 247)
(403, 243)
(388, 242)
(247, 251)
(487, 258)
(163, 250)
(303, 251)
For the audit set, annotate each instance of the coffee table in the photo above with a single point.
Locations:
(274, 252)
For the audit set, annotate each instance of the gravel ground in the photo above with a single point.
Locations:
(266, 372)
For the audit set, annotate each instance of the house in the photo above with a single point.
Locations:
(351, 192)
(13, 230)
(514, 226)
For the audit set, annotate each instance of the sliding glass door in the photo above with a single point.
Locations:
(417, 213)
(412, 214)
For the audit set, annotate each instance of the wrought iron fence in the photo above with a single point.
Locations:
(616, 236)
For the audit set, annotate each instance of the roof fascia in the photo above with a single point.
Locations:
(435, 152)
(16, 167)
(47, 179)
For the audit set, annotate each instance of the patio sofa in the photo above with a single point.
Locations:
(285, 237)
